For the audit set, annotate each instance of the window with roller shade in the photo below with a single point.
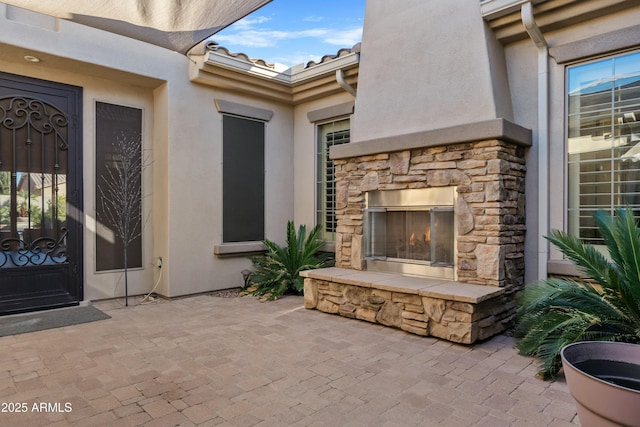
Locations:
(125, 123)
(242, 179)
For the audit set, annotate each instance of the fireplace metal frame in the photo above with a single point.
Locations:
(434, 198)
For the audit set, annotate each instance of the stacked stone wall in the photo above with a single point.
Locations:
(490, 208)
(452, 320)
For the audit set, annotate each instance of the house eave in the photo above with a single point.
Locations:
(492, 9)
(503, 16)
(250, 68)
(295, 85)
(305, 75)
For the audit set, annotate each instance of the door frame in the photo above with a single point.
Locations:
(68, 99)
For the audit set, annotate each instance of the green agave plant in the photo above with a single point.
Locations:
(278, 271)
(604, 307)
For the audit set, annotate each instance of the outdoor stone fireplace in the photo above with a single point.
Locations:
(410, 231)
(429, 239)
(488, 177)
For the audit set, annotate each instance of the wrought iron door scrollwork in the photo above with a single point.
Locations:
(33, 159)
(15, 252)
(20, 112)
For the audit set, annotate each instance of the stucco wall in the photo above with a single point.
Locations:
(430, 64)
(521, 59)
(76, 55)
(99, 285)
(305, 137)
(183, 129)
(522, 62)
(198, 193)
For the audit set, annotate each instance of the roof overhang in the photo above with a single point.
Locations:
(172, 24)
(503, 16)
(295, 85)
(493, 9)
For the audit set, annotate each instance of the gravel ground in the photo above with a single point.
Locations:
(227, 293)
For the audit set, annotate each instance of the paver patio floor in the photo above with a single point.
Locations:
(205, 360)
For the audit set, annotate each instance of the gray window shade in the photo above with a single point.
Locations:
(243, 180)
(114, 121)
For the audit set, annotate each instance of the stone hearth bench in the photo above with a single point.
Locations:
(457, 312)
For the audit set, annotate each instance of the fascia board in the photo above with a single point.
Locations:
(237, 64)
(226, 79)
(291, 77)
(292, 86)
(324, 69)
(492, 9)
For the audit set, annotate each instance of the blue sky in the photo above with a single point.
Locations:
(292, 32)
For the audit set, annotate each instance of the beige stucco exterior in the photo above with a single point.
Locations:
(183, 131)
(429, 84)
(448, 82)
(305, 153)
(180, 126)
(575, 33)
(40, 36)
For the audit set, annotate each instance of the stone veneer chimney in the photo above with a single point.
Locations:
(428, 114)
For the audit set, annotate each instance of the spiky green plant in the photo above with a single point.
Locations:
(605, 306)
(278, 271)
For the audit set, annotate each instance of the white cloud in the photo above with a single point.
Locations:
(245, 39)
(246, 23)
(260, 37)
(266, 38)
(270, 38)
(346, 38)
(296, 58)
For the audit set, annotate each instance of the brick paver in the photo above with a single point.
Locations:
(205, 360)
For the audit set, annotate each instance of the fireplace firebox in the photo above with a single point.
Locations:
(411, 231)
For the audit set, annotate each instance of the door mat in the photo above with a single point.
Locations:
(41, 320)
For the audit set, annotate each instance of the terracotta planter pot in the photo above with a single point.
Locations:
(604, 379)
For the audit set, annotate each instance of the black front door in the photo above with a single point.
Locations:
(40, 194)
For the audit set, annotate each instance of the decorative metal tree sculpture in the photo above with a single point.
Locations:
(121, 194)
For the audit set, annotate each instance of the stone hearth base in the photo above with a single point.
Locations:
(457, 312)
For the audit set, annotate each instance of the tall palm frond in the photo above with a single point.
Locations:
(555, 312)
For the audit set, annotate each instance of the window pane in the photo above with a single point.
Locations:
(243, 180)
(418, 235)
(5, 202)
(375, 223)
(604, 140)
(117, 127)
(329, 134)
(442, 237)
